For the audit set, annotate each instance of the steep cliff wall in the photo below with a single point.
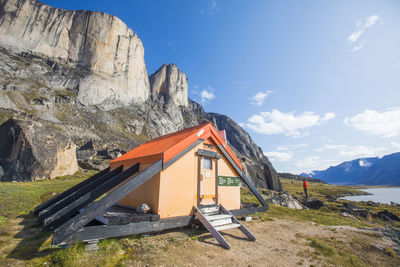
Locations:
(80, 77)
(98, 43)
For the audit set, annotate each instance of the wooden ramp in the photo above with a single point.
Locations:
(73, 209)
(216, 218)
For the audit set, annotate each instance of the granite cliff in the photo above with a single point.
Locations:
(80, 77)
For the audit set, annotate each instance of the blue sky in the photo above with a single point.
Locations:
(314, 83)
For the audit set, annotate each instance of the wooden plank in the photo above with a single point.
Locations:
(69, 191)
(105, 231)
(247, 211)
(227, 226)
(182, 153)
(242, 228)
(244, 177)
(65, 231)
(207, 153)
(211, 229)
(47, 212)
(71, 209)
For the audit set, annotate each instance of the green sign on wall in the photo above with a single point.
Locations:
(229, 181)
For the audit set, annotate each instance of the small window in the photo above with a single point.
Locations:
(207, 164)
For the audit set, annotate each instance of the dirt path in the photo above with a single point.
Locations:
(279, 242)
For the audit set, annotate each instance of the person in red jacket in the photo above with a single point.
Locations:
(305, 186)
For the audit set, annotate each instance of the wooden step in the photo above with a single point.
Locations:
(221, 222)
(210, 209)
(227, 226)
(217, 217)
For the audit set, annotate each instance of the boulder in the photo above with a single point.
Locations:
(33, 150)
(355, 210)
(386, 215)
(283, 199)
(314, 203)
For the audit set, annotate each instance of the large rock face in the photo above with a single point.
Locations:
(79, 77)
(169, 82)
(108, 52)
(32, 151)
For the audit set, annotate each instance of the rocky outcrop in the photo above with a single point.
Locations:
(108, 55)
(256, 164)
(283, 199)
(81, 76)
(171, 83)
(31, 150)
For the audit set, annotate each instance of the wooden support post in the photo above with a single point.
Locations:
(68, 192)
(108, 231)
(60, 216)
(64, 233)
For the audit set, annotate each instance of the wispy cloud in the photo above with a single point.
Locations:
(206, 95)
(351, 152)
(397, 65)
(291, 147)
(289, 124)
(258, 99)
(384, 123)
(313, 163)
(278, 156)
(361, 26)
(213, 8)
(395, 145)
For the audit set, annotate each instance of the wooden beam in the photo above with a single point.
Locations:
(182, 153)
(64, 233)
(68, 192)
(244, 177)
(73, 207)
(207, 153)
(247, 211)
(109, 231)
(47, 212)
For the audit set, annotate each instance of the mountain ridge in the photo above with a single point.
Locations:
(363, 171)
(57, 95)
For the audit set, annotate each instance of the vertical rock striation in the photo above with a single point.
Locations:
(93, 41)
(171, 83)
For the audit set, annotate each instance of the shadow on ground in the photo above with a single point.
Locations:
(32, 239)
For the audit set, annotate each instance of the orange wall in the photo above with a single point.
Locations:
(173, 192)
(229, 196)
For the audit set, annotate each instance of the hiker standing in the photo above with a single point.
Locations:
(305, 186)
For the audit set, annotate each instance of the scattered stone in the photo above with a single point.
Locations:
(143, 208)
(355, 211)
(345, 214)
(247, 218)
(373, 204)
(92, 245)
(314, 203)
(386, 215)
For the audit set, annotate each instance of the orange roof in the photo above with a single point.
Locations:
(169, 145)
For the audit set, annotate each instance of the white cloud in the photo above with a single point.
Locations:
(357, 47)
(313, 163)
(206, 95)
(362, 25)
(258, 99)
(279, 156)
(384, 123)
(290, 147)
(364, 163)
(395, 144)
(289, 124)
(397, 65)
(351, 152)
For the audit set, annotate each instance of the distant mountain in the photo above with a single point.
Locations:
(362, 171)
(286, 175)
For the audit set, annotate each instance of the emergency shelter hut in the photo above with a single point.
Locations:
(187, 175)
